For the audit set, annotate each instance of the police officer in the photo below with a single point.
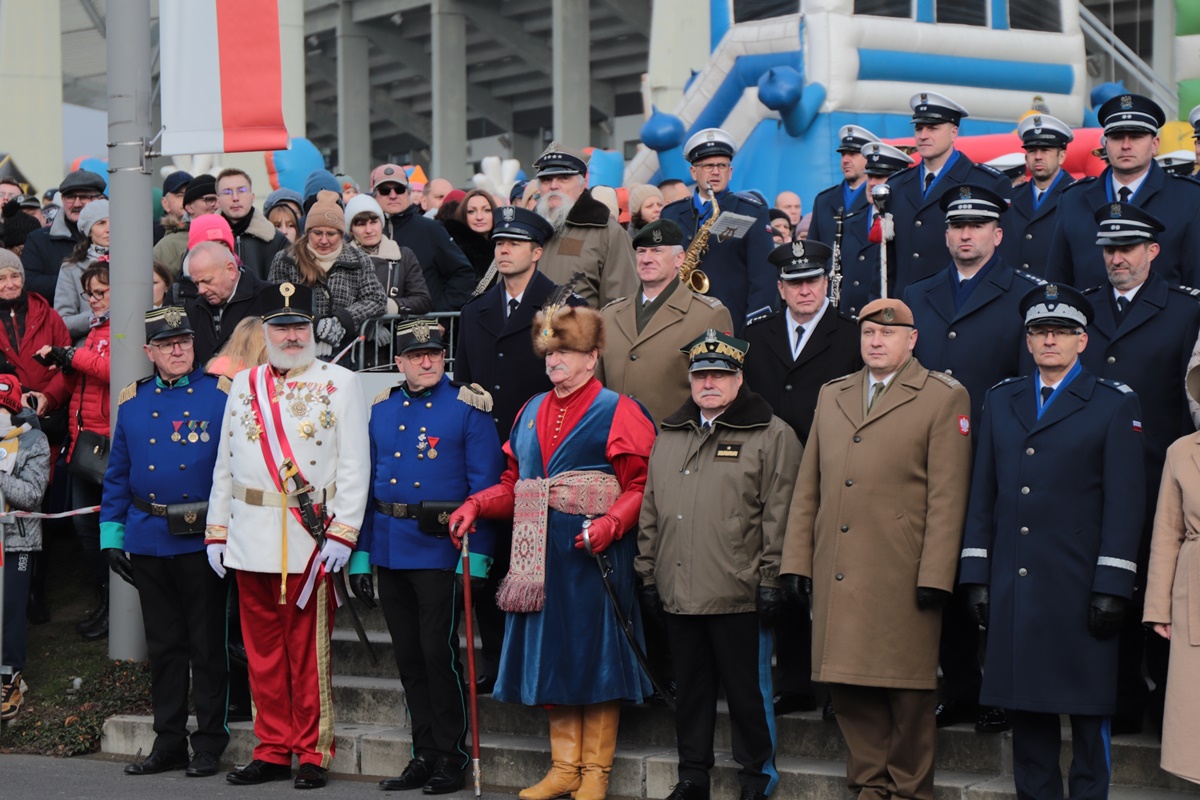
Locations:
(737, 268)
(915, 194)
(433, 443)
(964, 314)
(1131, 124)
(1142, 336)
(865, 231)
(645, 331)
(793, 353)
(494, 350)
(1194, 121)
(1049, 552)
(160, 472)
(1028, 228)
(846, 197)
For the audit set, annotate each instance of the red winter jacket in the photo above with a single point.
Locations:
(43, 326)
(86, 386)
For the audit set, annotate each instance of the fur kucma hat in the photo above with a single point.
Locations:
(560, 325)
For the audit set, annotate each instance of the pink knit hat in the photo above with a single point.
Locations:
(210, 228)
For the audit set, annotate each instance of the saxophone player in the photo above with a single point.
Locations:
(740, 275)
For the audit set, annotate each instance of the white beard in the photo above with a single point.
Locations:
(557, 217)
(291, 359)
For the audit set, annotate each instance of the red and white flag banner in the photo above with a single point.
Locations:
(222, 76)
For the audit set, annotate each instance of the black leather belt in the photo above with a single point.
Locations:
(153, 509)
(399, 510)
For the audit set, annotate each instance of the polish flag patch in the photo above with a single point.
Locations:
(1137, 426)
(964, 425)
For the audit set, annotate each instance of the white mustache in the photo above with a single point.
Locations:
(559, 368)
(710, 393)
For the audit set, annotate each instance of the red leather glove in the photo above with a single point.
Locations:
(463, 521)
(602, 532)
(495, 502)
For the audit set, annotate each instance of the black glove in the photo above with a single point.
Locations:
(769, 603)
(1106, 615)
(797, 590)
(929, 599)
(364, 588)
(979, 603)
(652, 605)
(119, 563)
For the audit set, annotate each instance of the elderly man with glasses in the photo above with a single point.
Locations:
(47, 248)
(152, 516)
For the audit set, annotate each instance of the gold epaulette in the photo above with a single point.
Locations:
(384, 395)
(224, 384)
(475, 396)
(128, 393)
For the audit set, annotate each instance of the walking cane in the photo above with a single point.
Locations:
(471, 687)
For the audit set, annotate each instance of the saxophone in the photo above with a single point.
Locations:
(689, 271)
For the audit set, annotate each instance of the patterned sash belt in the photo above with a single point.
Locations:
(580, 493)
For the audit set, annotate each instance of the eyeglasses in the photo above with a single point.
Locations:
(209, 198)
(81, 198)
(1043, 333)
(317, 233)
(100, 295)
(711, 167)
(391, 189)
(169, 347)
(238, 190)
(433, 355)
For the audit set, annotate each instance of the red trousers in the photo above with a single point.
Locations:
(288, 651)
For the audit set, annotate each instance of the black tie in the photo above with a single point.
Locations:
(799, 337)
(929, 178)
(1124, 194)
(512, 306)
(1046, 392)
(1037, 197)
(706, 427)
(1122, 307)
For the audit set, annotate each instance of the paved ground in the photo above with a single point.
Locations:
(101, 778)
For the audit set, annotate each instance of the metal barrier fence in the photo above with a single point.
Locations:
(376, 349)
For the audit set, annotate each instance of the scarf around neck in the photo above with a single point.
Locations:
(325, 262)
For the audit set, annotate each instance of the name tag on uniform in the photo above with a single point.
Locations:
(729, 450)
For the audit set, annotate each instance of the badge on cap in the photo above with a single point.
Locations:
(1037, 121)
(1051, 291)
(173, 317)
(420, 331)
(287, 289)
(798, 249)
(711, 135)
(964, 192)
(1115, 209)
(656, 236)
(508, 213)
(889, 315)
(924, 97)
(1126, 102)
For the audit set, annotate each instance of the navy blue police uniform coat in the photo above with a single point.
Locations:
(146, 461)
(920, 243)
(496, 351)
(983, 342)
(1055, 515)
(1075, 259)
(739, 274)
(1028, 228)
(790, 385)
(823, 227)
(432, 446)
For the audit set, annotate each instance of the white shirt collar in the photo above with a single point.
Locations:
(1133, 187)
(1132, 293)
(809, 326)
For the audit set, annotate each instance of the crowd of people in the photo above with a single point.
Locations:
(922, 457)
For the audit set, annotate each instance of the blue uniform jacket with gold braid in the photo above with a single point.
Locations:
(163, 451)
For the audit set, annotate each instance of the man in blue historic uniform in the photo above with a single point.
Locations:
(793, 353)
(1027, 230)
(964, 313)
(160, 473)
(494, 351)
(848, 196)
(573, 486)
(433, 443)
(1050, 548)
(1142, 335)
(738, 271)
(919, 242)
(1131, 123)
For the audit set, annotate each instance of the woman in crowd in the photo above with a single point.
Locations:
(396, 267)
(82, 381)
(161, 285)
(645, 206)
(1172, 608)
(246, 347)
(283, 210)
(346, 292)
(471, 229)
(68, 302)
(23, 485)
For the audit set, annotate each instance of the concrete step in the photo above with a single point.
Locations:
(510, 761)
(348, 657)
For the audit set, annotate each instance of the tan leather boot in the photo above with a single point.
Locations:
(600, 722)
(566, 741)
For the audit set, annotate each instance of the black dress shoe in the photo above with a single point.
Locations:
(415, 775)
(447, 777)
(787, 702)
(992, 720)
(827, 713)
(158, 761)
(202, 765)
(485, 684)
(955, 713)
(311, 776)
(99, 630)
(688, 790)
(259, 771)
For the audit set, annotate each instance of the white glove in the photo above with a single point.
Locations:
(330, 330)
(334, 555)
(216, 559)
(888, 228)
